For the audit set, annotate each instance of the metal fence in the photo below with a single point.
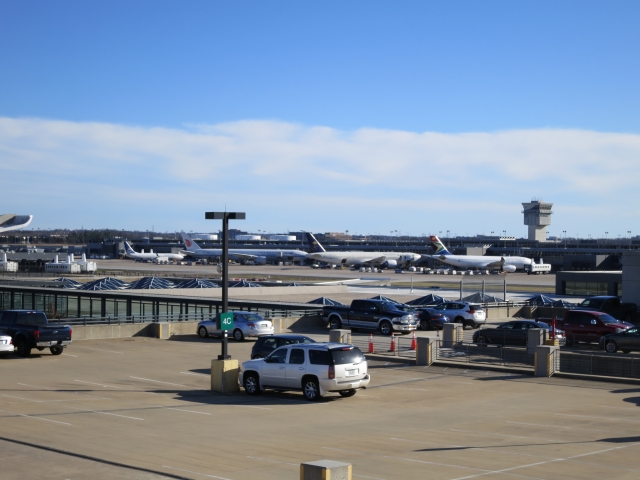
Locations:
(485, 354)
(177, 317)
(383, 345)
(610, 365)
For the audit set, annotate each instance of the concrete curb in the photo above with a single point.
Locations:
(598, 378)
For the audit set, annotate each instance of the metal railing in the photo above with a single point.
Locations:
(609, 365)
(485, 354)
(382, 345)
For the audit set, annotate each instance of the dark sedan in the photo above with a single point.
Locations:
(625, 341)
(268, 343)
(430, 319)
(513, 333)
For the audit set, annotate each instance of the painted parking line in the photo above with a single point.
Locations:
(21, 398)
(69, 355)
(99, 350)
(190, 411)
(598, 418)
(108, 413)
(36, 418)
(99, 384)
(194, 473)
(158, 381)
(500, 435)
(557, 426)
(273, 461)
(507, 470)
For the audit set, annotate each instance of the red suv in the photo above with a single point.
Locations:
(589, 326)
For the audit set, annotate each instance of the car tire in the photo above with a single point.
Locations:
(386, 328)
(202, 332)
(460, 320)
(610, 346)
(57, 350)
(424, 325)
(23, 348)
(481, 340)
(238, 336)
(251, 384)
(334, 323)
(311, 389)
(347, 393)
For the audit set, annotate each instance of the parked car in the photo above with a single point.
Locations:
(611, 305)
(468, 314)
(513, 333)
(245, 324)
(430, 319)
(6, 344)
(371, 315)
(30, 329)
(589, 326)
(268, 343)
(313, 368)
(625, 341)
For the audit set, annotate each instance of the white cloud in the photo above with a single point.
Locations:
(301, 170)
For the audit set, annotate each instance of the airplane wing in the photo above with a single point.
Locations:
(375, 261)
(498, 264)
(243, 256)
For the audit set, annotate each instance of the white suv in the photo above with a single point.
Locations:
(315, 369)
(468, 314)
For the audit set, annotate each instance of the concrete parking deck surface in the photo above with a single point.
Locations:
(140, 408)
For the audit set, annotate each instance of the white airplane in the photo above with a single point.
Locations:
(504, 264)
(131, 253)
(258, 256)
(383, 259)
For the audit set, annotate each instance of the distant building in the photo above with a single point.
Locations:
(537, 215)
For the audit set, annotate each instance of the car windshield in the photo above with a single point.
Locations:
(604, 318)
(290, 341)
(592, 303)
(32, 318)
(477, 308)
(541, 325)
(342, 356)
(252, 317)
(442, 306)
(391, 307)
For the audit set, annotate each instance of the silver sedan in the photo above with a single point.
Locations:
(6, 346)
(245, 324)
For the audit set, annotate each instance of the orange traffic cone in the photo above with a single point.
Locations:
(413, 341)
(371, 349)
(392, 347)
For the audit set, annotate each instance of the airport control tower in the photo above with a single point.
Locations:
(537, 215)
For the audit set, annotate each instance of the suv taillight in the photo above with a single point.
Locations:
(332, 372)
(471, 310)
(36, 334)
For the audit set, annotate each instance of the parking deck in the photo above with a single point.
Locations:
(141, 408)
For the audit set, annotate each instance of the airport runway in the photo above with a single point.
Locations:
(141, 408)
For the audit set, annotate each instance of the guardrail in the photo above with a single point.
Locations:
(485, 354)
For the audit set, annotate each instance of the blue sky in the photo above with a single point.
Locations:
(368, 116)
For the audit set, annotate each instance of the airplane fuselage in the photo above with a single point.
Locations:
(481, 261)
(268, 254)
(361, 258)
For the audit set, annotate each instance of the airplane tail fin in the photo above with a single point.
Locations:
(189, 244)
(314, 245)
(128, 249)
(439, 246)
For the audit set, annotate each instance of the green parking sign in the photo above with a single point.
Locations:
(226, 321)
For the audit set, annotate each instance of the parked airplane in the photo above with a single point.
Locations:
(383, 259)
(131, 253)
(504, 264)
(259, 256)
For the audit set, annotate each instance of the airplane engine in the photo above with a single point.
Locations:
(508, 268)
(390, 264)
(261, 260)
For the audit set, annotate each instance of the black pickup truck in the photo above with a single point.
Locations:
(371, 315)
(30, 329)
(611, 305)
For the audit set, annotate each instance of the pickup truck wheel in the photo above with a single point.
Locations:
(238, 336)
(23, 348)
(251, 384)
(386, 328)
(56, 350)
(611, 346)
(334, 323)
(347, 393)
(311, 389)
(202, 332)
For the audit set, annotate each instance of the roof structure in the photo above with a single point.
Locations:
(106, 283)
(196, 283)
(482, 298)
(148, 283)
(327, 301)
(386, 299)
(430, 299)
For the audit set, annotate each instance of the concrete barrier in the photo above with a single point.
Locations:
(545, 363)
(325, 470)
(298, 324)
(535, 337)
(451, 334)
(224, 376)
(128, 330)
(426, 349)
(340, 336)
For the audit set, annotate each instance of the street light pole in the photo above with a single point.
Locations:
(225, 217)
